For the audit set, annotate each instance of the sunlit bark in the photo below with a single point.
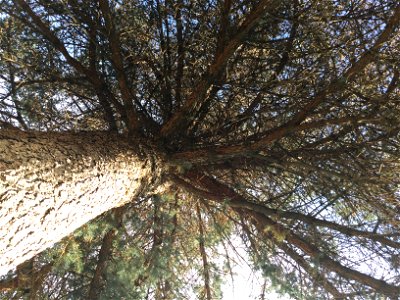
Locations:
(51, 184)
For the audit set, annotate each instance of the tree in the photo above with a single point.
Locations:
(182, 124)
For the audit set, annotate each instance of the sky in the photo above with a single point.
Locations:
(246, 284)
(246, 287)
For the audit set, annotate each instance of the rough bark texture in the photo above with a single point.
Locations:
(53, 183)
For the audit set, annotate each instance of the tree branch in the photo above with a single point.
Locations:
(206, 267)
(180, 52)
(96, 284)
(92, 76)
(318, 276)
(117, 61)
(335, 86)
(186, 114)
(226, 153)
(325, 261)
(216, 191)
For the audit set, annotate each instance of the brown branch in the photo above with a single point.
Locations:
(238, 201)
(312, 221)
(104, 257)
(224, 26)
(325, 261)
(117, 61)
(216, 154)
(393, 83)
(93, 77)
(249, 112)
(38, 277)
(335, 86)
(318, 276)
(186, 114)
(9, 285)
(216, 191)
(103, 94)
(206, 267)
(180, 52)
(53, 39)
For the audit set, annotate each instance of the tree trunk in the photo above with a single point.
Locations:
(53, 183)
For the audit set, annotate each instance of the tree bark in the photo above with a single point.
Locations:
(53, 183)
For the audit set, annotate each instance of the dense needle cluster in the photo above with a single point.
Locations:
(277, 121)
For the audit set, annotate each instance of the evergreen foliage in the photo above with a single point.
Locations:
(278, 123)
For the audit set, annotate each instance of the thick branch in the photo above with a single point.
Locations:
(104, 257)
(335, 86)
(318, 276)
(206, 267)
(186, 114)
(98, 83)
(238, 201)
(216, 191)
(327, 262)
(224, 153)
(38, 278)
(117, 61)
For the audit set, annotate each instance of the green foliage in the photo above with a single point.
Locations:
(277, 121)
(73, 258)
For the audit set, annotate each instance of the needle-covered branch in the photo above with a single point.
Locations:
(216, 191)
(105, 96)
(183, 117)
(118, 63)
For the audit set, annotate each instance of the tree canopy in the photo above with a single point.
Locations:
(275, 123)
